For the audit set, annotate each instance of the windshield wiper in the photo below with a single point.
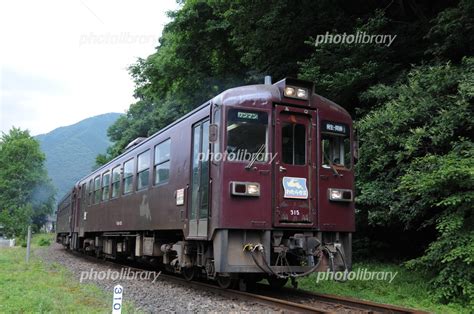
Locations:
(331, 165)
(255, 156)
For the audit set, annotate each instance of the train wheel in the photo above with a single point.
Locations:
(225, 282)
(189, 273)
(277, 283)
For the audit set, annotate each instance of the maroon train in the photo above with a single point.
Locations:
(256, 183)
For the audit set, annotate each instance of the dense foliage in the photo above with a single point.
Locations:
(416, 170)
(26, 192)
(413, 101)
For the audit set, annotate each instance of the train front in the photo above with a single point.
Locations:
(282, 183)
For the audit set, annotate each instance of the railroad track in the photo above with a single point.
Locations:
(284, 299)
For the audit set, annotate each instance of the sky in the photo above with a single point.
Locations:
(64, 61)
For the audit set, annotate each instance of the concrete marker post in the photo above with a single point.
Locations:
(117, 301)
(28, 245)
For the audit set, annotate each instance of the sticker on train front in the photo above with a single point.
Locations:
(295, 187)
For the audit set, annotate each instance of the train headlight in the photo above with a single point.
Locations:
(302, 93)
(290, 91)
(296, 92)
(253, 189)
(245, 188)
(340, 195)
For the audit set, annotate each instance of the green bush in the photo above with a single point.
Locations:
(42, 239)
(446, 183)
(44, 242)
(415, 171)
(20, 242)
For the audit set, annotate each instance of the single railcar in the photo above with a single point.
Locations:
(257, 182)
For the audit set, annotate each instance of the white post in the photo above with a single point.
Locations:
(28, 245)
(117, 302)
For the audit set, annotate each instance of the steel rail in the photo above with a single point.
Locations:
(263, 294)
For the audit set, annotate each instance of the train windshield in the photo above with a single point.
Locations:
(336, 151)
(247, 133)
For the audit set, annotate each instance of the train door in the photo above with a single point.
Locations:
(198, 211)
(295, 202)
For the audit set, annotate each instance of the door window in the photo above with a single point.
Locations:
(293, 137)
(200, 172)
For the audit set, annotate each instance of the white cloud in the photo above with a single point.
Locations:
(63, 61)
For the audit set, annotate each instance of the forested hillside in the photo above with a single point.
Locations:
(412, 100)
(71, 150)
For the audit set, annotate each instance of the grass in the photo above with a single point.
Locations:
(408, 289)
(40, 287)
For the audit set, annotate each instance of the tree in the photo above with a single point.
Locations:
(26, 192)
(415, 172)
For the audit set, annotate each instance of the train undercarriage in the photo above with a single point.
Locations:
(234, 257)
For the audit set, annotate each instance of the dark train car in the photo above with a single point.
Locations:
(257, 182)
(63, 218)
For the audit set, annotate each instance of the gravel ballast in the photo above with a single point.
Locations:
(147, 296)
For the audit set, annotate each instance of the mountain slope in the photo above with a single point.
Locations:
(71, 150)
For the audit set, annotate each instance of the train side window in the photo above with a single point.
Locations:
(162, 162)
(105, 185)
(97, 190)
(336, 151)
(115, 182)
(128, 177)
(143, 172)
(90, 189)
(293, 140)
(83, 196)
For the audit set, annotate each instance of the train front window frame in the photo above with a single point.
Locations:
(143, 170)
(246, 135)
(128, 176)
(162, 162)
